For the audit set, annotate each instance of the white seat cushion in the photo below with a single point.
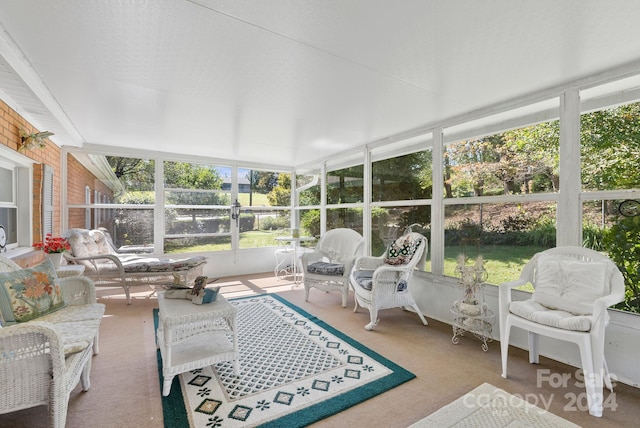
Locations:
(537, 313)
(326, 268)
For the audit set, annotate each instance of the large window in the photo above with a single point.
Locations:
(610, 171)
(16, 201)
(506, 235)
(308, 189)
(505, 175)
(404, 180)
(519, 161)
(266, 200)
(8, 202)
(345, 185)
(114, 193)
(196, 207)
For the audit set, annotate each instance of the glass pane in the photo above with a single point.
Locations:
(519, 161)
(95, 174)
(127, 227)
(613, 227)
(197, 197)
(389, 223)
(197, 244)
(405, 177)
(310, 222)
(181, 221)
(6, 190)
(260, 226)
(610, 148)
(263, 188)
(195, 184)
(8, 220)
(345, 185)
(350, 218)
(506, 235)
(308, 186)
(134, 174)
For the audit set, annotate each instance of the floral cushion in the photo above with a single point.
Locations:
(152, 264)
(27, 294)
(325, 268)
(401, 250)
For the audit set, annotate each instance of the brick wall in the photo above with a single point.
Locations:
(10, 124)
(76, 190)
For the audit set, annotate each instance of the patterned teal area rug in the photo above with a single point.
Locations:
(295, 370)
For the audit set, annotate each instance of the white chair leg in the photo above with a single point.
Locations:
(345, 294)
(59, 413)
(96, 344)
(127, 293)
(306, 293)
(504, 347)
(85, 379)
(534, 349)
(592, 380)
(373, 313)
(419, 312)
(166, 385)
(607, 376)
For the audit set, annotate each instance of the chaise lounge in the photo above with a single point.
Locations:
(108, 268)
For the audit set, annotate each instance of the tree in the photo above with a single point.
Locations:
(610, 148)
(403, 177)
(280, 195)
(134, 173)
(537, 154)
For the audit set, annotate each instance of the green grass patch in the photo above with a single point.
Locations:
(502, 262)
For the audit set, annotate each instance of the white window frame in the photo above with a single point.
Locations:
(23, 197)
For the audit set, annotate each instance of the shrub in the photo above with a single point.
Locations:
(310, 220)
(622, 243)
(275, 223)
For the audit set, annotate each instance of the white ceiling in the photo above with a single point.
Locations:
(290, 81)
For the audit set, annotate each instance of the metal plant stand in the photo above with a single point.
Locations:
(481, 325)
(472, 314)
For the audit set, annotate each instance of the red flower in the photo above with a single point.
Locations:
(53, 244)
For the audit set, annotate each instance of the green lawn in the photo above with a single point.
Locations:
(503, 262)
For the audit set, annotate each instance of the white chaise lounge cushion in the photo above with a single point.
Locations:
(568, 284)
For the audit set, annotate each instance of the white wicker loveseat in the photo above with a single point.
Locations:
(42, 358)
(106, 267)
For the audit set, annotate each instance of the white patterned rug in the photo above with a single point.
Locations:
(295, 370)
(488, 406)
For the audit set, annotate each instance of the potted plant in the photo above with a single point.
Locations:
(53, 246)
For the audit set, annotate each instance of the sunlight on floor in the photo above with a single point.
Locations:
(244, 285)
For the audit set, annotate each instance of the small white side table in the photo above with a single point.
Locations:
(294, 241)
(69, 270)
(194, 336)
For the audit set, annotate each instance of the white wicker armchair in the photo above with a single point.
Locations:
(42, 361)
(380, 285)
(337, 250)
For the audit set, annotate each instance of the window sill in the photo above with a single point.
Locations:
(25, 256)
